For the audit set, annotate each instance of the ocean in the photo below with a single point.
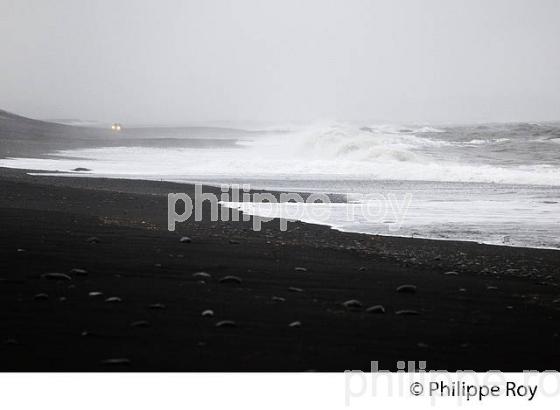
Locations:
(492, 183)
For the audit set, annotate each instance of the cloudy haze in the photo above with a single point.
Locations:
(285, 60)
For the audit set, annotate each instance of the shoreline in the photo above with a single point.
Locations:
(483, 317)
(335, 198)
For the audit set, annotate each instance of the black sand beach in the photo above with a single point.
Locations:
(138, 306)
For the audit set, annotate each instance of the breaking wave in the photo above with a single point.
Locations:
(338, 151)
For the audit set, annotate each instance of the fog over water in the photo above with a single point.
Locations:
(283, 61)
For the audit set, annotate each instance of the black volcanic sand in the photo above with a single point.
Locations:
(500, 311)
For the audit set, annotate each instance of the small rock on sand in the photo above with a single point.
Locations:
(407, 312)
(41, 296)
(81, 169)
(294, 289)
(352, 304)
(201, 275)
(491, 287)
(234, 242)
(94, 294)
(407, 289)
(362, 268)
(93, 239)
(185, 239)
(140, 323)
(376, 309)
(113, 299)
(207, 313)
(451, 273)
(300, 269)
(56, 276)
(79, 272)
(122, 361)
(278, 299)
(226, 323)
(156, 306)
(231, 279)
(297, 323)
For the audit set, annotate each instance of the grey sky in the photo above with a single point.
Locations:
(283, 60)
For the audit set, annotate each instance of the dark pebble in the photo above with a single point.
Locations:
(407, 312)
(201, 275)
(294, 289)
(156, 306)
(207, 313)
(140, 323)
(113, 299)
(56, 276)
(300, 269)
(79, 272)
(407, 289)
(297, 323)
(352, 304)
(93, 239)
(122, 361)
(278, 299)
(41, 296)
(376, 309)
(231, 279)
(185, 239)
(226, 323)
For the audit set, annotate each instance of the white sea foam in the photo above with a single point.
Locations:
(340, 152)
(487, 141)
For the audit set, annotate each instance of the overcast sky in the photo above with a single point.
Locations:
(282, 60)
